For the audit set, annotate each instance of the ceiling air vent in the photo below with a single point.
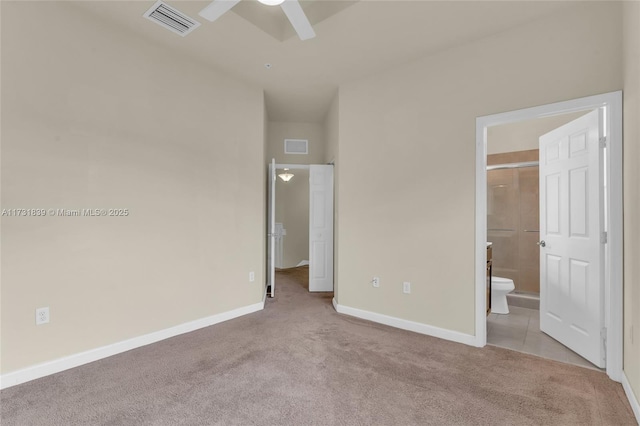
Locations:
(171, 19)
(296, 146)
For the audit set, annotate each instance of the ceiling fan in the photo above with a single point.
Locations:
(291, 8)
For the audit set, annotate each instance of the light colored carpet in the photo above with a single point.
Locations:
(298, 362)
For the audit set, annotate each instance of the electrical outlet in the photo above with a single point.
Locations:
(406, 287)
(252, 276)
(42, 316)
(375, 282)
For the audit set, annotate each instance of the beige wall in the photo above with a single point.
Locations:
(95, 117)
(292, 198)
(407, 156)
(524, 135)
(279, 131)
(632, 194)
(1, 201)
(332, 133)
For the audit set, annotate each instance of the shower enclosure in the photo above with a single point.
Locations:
(513, 218)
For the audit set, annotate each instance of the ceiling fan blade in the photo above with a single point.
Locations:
(298, 19)
(217, 8)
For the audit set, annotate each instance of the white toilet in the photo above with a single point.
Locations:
(499, 289)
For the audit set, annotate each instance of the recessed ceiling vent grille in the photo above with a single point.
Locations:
(296, 146)
(171, 19)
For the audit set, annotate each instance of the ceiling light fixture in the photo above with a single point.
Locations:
(271, 2)
(286, 176)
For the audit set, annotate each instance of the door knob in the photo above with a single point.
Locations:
(541, 243)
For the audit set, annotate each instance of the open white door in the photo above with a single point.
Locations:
(320, 228)
(572, 238)
(271, 231)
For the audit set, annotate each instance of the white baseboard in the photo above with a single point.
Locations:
(51, 367)
(632, 397)
(416, 327)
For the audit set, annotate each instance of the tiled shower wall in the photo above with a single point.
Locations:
(513, 220)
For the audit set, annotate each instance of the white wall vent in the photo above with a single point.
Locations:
(171, 19)
(296, 146)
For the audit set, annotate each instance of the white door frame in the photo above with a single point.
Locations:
(613, 299)
(271, 219)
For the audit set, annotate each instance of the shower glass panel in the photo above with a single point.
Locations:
(513, 225)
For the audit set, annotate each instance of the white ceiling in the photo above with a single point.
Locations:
(354, 39)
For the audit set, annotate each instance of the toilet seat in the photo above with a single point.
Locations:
(499, 283)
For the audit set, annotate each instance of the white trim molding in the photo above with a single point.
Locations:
(55, 366)
(613, 300)
(416, 327)
(632, 397)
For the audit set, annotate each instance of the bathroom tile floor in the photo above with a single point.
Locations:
(520, 331)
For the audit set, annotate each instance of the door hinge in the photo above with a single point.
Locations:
(603, 238)
(603, 142)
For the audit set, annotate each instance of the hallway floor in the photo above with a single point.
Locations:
(520, 331)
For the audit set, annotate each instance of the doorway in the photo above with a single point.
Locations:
(292, 218)
(611, 282)
(312, 197)
(513, 228)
